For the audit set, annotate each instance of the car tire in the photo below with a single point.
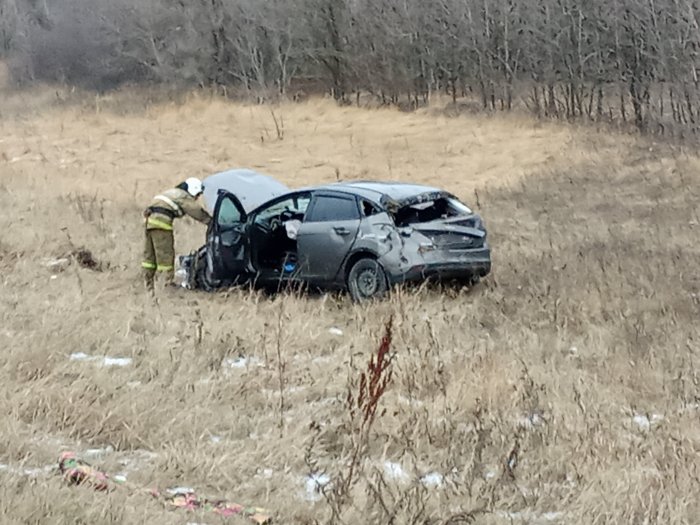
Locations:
(203, 276)
(473, 280)
(366, 280)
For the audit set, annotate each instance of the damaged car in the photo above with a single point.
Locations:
(360, 236)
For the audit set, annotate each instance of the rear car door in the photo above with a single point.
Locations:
(227, 241)
(326, 236)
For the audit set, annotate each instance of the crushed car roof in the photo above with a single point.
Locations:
(376, 190)
(250, 187)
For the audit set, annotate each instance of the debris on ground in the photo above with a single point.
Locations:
(81, 256)
(75, 471)
(85, 259)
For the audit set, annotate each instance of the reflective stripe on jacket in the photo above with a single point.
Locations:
(170, 205)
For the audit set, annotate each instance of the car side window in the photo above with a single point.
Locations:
(294, 207)
(328, 208)
(229, 214)
(369, 208)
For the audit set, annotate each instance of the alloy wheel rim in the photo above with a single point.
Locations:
(367, 282)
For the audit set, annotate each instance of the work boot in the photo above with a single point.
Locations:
(149, 282)
(167, 283)
(169, 278)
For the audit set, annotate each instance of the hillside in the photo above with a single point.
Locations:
(575, 362)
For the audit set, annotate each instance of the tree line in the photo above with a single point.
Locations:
(629, 61)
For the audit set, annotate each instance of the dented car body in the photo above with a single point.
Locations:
(363, 237)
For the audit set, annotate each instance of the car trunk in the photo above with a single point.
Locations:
(444, 220)
(446, 235)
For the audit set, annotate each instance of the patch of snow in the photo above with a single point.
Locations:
(645, 422)
(314, 483)
(117, 361)
(131, 460)
(395, 471)
(335, 331)
(432, 479)
(58, 265)
(265, 473)
(38, 471)
(105, 361)
(490, 473)
(31, 472)
(54, 277)
(215, 439)
(410, 401)
(97, 452)
(119, 478)
(531, 517)
(531, 421)
(241, 362)
(176, 491)
(81, 356)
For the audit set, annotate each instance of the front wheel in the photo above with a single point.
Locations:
(366, 280)
(203, 272)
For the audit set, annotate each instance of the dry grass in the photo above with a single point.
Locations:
(587, 326)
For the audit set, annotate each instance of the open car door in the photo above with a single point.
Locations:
(227, 241)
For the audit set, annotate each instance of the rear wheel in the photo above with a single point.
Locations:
(366, 280)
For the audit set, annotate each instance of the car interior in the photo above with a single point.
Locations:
(273, 234)
(428, 211)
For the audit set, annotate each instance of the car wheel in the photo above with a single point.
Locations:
(203, 275)
(473, 280)
(366, 280)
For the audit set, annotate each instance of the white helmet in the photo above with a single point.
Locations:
(194, 186)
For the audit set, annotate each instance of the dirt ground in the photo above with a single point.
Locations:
(562, 389)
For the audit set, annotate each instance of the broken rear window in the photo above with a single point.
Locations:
(433, 210)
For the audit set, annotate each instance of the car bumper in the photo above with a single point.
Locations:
(441, 266)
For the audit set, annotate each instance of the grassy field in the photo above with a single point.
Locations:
(562, 389)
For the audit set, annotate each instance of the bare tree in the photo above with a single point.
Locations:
(627, 61)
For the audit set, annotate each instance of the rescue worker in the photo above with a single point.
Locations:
(159, 253)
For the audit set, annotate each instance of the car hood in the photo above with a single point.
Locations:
(250, 187)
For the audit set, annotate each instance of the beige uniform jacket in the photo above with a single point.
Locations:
(170, 205)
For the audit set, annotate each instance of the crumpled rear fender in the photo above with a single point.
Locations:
(396, 252)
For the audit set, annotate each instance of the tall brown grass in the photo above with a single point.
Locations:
(563, 389)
